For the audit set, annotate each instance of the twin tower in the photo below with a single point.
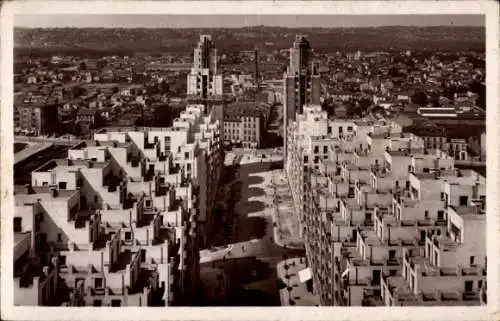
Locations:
(301, 82)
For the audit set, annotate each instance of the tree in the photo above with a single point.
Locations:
(352, 109)
(139, 122)
(434, 100)
(479, 89)
(164, 87)
(364, 103)
(419, 98)
(393, 72)
(78, 91)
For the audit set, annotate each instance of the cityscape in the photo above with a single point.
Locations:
(250, 166)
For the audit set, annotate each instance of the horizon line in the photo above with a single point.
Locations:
(255, 26)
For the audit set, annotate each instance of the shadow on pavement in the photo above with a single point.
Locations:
(255, 192)
(250, 228)
(246, 297)
(252, 168)
(244, 271)
(254, 179)
(255, 206)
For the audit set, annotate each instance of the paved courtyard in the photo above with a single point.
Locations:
(253, 232)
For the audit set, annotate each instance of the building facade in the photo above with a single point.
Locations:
(244, 123)
(205, 80)
(39, 119)
(301, 82)
(121, 220)
(385, 220)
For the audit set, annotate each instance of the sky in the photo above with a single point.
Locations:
(234, 21)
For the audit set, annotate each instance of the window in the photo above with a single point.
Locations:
(442, 196)
(59, 237)
(97, 303)
(186, 155)
(18, 225)
(116, 303)
(471, 260)
(188, 166)
(62, 185)
(128, 236)
(440, 215)
(426, 214)
(464, 200)
(349, 128)
(148, 203)
(98, 283)
(316, 149)
(469, 286)
(62, 260)
(325, 149)
(45, 183)
(479, 284)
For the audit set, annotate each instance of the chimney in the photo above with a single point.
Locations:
(475, 188)
(54, 191)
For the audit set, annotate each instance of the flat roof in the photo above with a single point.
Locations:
(43, 194)
(470, 212)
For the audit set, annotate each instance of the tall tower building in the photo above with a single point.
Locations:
(301, 82)
(204, 80)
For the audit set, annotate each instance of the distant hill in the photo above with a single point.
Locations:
(117, 40)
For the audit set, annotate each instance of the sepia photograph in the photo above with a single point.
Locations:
(248, 160)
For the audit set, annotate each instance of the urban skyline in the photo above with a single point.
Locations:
(249, 172)
(237, 21)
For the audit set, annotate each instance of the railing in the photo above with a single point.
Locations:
(393, 261)
(22, 246)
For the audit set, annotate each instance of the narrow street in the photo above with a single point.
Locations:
(251, 257)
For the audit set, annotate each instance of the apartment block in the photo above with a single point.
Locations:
(301, 82)
(119, 222)
(37, 118)
(205, 80)
(385, 218)
(244, 124)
